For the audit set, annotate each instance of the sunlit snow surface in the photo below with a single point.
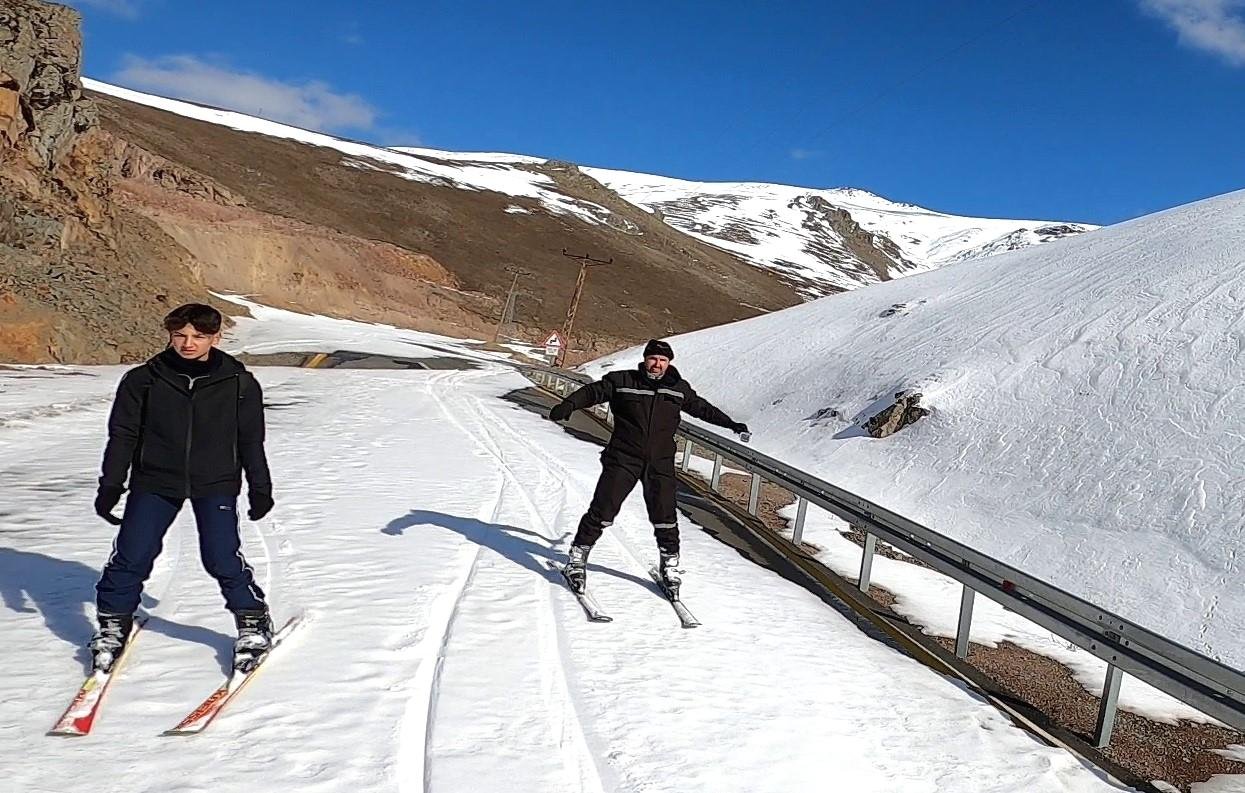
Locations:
(1088, 409)
(416, 512)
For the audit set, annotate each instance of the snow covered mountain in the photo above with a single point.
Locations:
(775, 244)
(1085, 409)
(825, 241)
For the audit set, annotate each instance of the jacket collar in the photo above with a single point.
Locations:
(227, 368)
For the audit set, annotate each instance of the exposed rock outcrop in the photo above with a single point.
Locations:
(64, 244)
(906, 410)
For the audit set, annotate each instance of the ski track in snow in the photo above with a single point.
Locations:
(415, 512)
(564, 722)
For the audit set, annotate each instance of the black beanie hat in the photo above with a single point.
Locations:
(658, 347)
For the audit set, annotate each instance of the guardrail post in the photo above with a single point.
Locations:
(1107, 708)
(801, 511)
(687, 454)
(966, 621)
(866, 562)
(754, 496)
(717, 473)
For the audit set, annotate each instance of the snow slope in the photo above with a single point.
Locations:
(791, 229)
(416, 513)
(1086, 400)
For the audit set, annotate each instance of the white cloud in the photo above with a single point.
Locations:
(125, 8)
(1216, 26)
(804, 154)
(311, 105)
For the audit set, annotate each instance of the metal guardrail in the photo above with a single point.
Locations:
(1128, 648)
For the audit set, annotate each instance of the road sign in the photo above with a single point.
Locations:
(553, 345)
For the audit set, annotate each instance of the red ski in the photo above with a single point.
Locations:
(80, 716)
(198, 719)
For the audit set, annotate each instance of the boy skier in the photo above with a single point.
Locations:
(185, 426)
(646, 402)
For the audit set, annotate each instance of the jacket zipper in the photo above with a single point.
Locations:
(652, 408)
(237, 419)
(190, 432)
(190, 427)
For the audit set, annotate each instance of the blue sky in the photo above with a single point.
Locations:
(1090, 110)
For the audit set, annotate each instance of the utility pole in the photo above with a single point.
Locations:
(585, 261)
(507, 313)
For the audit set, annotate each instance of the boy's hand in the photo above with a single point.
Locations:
(261, 504)
(106, 500)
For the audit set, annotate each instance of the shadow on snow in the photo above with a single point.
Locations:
(61, 591)
(525, 548)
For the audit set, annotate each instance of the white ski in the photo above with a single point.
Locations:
(589, 603)
(685, 616)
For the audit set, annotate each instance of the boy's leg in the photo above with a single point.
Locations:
(139, 541)
(220, 548)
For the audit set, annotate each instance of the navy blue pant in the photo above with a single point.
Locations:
(147, 518)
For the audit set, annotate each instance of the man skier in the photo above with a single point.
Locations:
(646, 402)
(184, 426)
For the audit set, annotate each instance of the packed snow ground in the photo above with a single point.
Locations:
(1086, 402)
(416, 512)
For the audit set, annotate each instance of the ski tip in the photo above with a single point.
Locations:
(601, 618)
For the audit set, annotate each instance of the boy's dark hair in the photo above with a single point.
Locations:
(204, 318)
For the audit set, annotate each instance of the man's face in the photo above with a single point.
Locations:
(656, 365)
(192, 344)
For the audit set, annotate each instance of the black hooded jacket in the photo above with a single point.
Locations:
(186, 429)
(646, 412)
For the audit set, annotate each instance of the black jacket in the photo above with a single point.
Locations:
(646, 412)
(181, 433)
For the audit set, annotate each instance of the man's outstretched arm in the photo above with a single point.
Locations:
(592, 394)
(699, 407)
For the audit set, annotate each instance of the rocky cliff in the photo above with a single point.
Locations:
(81, 278)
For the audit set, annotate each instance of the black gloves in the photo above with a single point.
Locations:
(105, 500)
(561, 412)
(741, 429)
(261, 504)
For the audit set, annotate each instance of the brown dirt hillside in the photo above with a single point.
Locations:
(457, 243)
(112, 212)
(81, 278)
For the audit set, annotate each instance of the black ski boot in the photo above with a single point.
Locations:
(668, 569)
(254, 638)
(576, 569)
(110, 640)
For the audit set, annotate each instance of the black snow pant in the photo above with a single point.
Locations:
(619, 473)
(147, 518)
